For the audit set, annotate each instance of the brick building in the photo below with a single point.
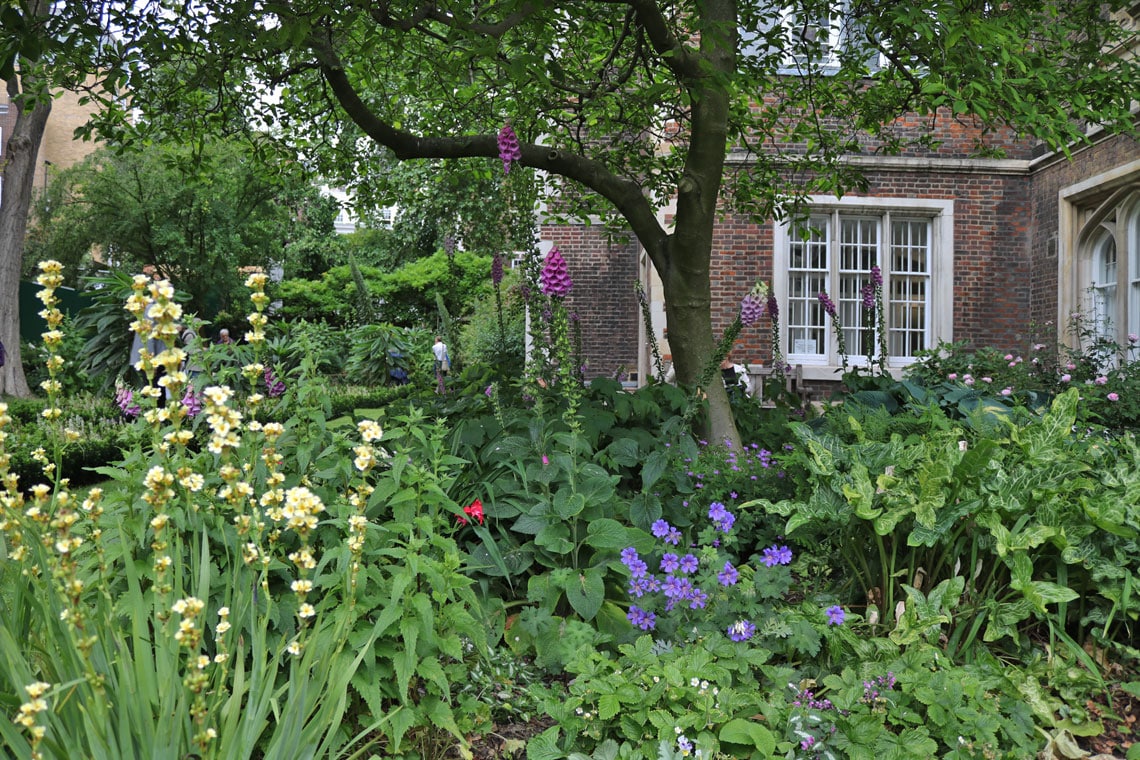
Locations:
(59, 149)
(997, 252)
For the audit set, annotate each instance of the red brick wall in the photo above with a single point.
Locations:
(1048, 181)
(603, 273)
(992, 268)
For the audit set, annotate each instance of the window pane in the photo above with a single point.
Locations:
(807, 278)
(1103, 287)
(1133, 242)
(908, 293)
(858, 252)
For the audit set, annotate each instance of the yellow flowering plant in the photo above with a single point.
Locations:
(259, 595)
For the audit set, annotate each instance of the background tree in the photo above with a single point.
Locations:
(633, 105)
(194, 213)
(43, 46)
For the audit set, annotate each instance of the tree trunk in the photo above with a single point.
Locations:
(687, 297)
(19, 173)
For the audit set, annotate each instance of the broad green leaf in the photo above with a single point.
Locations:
(586, 592)
(606, 533)
(655, 465)
(750, 734)
(567, 503)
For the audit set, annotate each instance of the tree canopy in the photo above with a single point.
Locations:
(193, 214)
(625, 107)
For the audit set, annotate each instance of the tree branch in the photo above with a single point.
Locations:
(626, 195)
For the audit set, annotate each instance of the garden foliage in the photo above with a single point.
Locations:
(270, 572)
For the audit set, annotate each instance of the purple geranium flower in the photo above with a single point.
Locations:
(641, 619)
(835, 615)
(777, 555)
(670, 563)
(728, 576)
(689, 564)
(741, 630)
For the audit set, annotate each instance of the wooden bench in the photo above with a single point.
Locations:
(759, 374)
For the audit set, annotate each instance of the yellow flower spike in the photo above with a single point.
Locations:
(256, 280)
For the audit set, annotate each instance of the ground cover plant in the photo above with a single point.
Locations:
(271, 572)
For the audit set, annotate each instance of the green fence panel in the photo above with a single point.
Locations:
(32, 325)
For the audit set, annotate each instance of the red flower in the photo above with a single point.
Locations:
(475, 510)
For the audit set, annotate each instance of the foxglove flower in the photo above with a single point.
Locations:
(868, 292)
(828, 304)
(751, 309)
(509, 150)
(773, 307)
(125, 399)
(273, 386)
(192, 402)
(497, 269)
(555, 276)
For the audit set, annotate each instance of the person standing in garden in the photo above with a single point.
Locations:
(442, 363)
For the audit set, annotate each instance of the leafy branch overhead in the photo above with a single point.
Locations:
(625, 107)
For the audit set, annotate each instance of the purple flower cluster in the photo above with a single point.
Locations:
(741, 630)
(675, 588)
(509, 150)
(773, 307)
(873, 689)
(273, 386)
(641, 619)
(835, 615)
(721, 517)
(827, 304)
(876, 276)
(497, 269)
(191, 402)
(806, 698)
(728, 576)
(868, 292)
(751, 309)
(125, 399)
(666, 532)
(777, 555)
(555, 276)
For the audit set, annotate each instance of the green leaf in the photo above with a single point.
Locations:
(644, 510)
(545, 746)
(567, 503)
(608, 706)
(606, 533)
(655, 465)
(586, 592)
(555, 538)
(740, 731)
